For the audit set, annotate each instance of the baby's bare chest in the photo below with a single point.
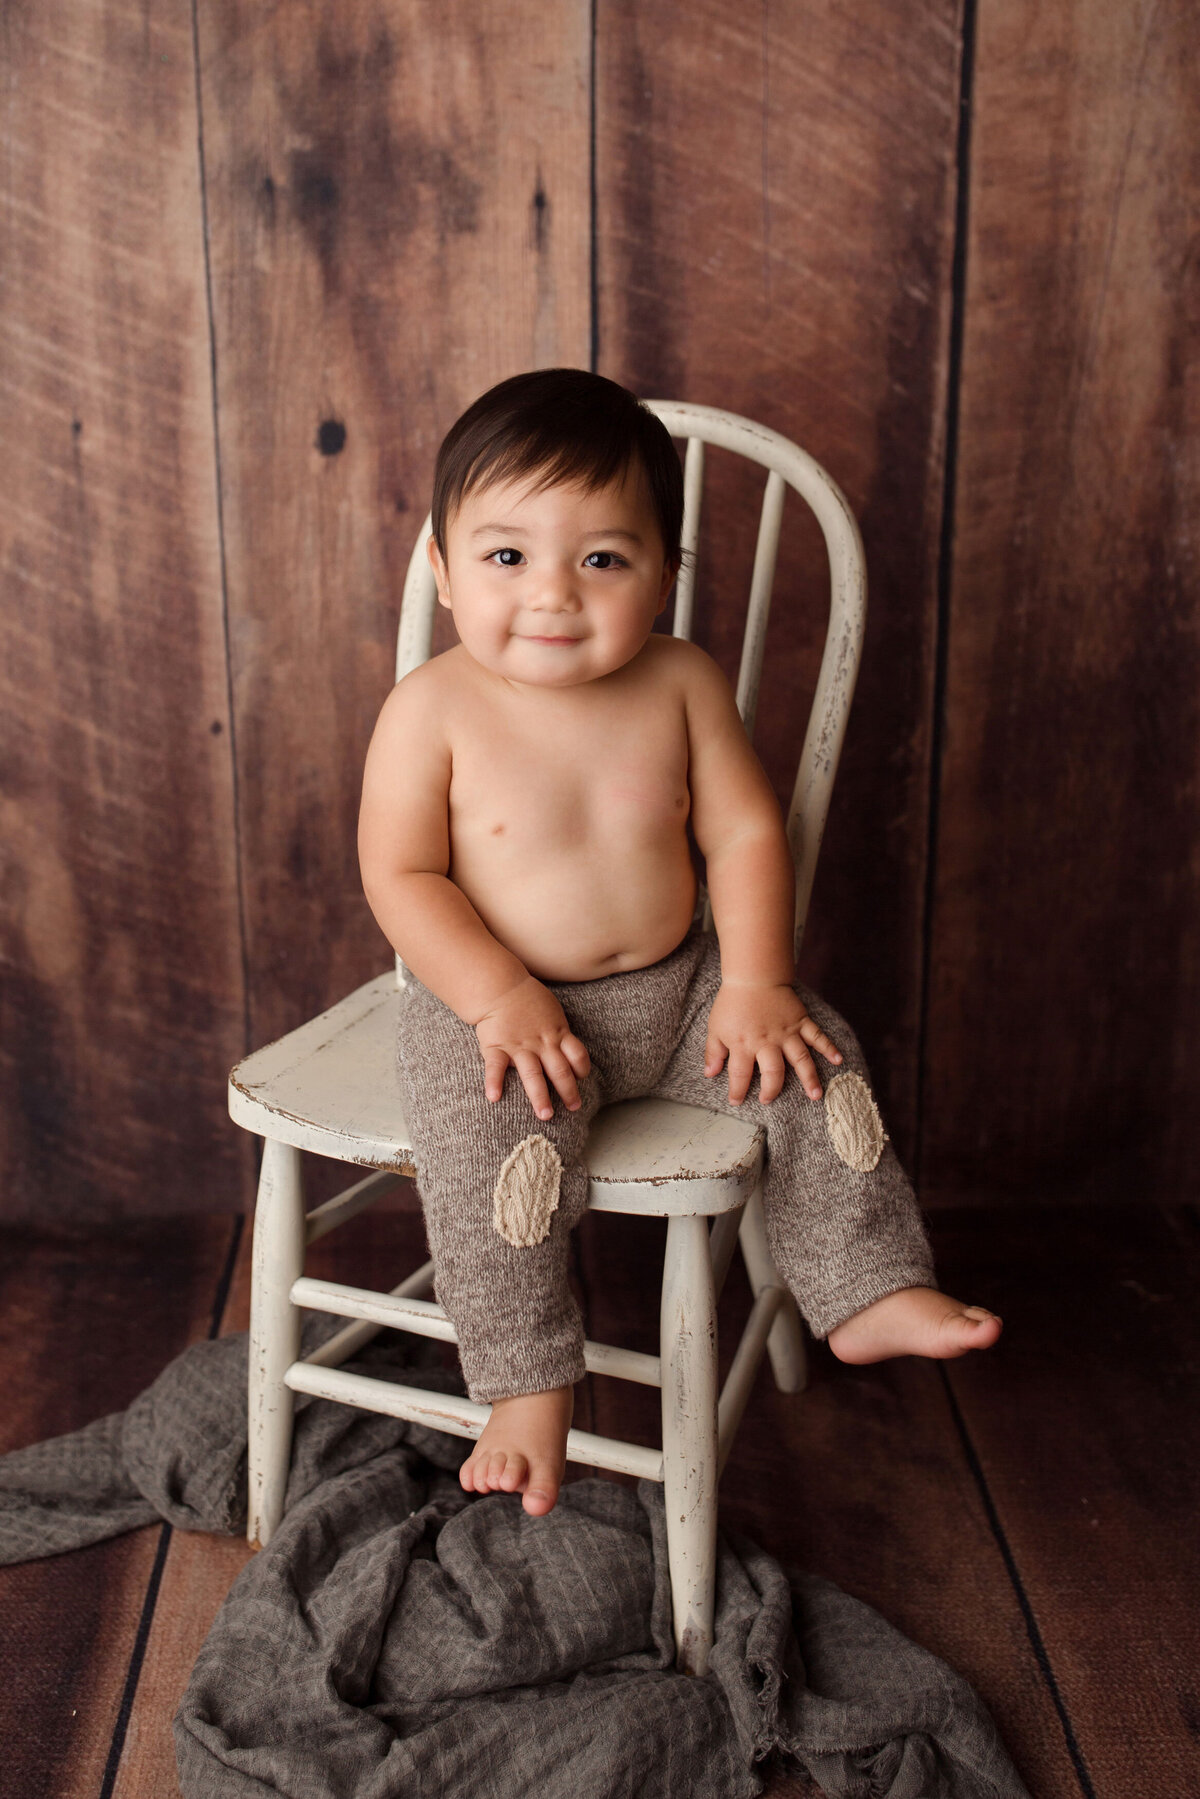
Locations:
(580, 783)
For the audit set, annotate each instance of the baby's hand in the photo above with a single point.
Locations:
(763, 1024)
(529, 1028)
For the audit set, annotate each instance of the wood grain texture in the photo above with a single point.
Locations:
(1062, 1046)
(398, 212)
(1084, 1424)
(123, 1001)
(774, 235)
(85, 1325)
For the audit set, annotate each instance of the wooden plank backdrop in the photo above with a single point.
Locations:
(256, 271)
(1062, 1035)
(122, 955)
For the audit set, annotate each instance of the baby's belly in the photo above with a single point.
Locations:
(595, 910)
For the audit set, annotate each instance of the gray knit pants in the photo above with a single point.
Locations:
(501, 1188)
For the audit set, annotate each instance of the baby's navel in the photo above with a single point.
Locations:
(496, 830)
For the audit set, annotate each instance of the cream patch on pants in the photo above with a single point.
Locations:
(526, 1194)
(855, 1127)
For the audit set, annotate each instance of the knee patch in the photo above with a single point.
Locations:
(526, 1193)
(852, 1117)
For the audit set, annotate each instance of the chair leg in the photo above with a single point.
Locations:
(785, 1345)
(722, 1241)
(688, 1346)
(278, 1260)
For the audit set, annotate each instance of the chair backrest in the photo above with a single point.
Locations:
(787, 465)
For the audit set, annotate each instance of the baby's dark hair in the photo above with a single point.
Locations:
(564, 425)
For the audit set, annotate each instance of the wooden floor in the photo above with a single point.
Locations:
(1030, 1514)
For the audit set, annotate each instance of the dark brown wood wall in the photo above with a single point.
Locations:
(1063, 1027)
(258, 263)
(123, 985)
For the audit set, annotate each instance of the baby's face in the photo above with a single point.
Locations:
(553, 588)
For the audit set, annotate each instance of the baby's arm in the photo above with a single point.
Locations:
(404, 856)
(756, 1015)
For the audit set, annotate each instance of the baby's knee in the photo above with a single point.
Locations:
(843, 1126)
(852, 1124)
(527, 1192)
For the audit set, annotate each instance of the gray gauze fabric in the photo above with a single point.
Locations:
(179, 1452)
(398, 1638)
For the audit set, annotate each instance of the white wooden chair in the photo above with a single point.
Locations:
(330, 1087)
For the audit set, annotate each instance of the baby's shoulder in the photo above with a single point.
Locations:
(669, 657)
(416, 713)
(429, 686)
(683, 665)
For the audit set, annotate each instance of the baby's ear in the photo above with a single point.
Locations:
(438, 564)
(670, 570)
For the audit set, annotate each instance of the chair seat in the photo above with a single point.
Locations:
(330, 1087)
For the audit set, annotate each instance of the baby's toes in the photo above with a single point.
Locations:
(515, 1470)
(485, 1472)
(469, 1473)
(972, 1328)
(500, 1471)
(541, 1492)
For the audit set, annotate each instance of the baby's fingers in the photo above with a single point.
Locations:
(805, 1067)
(575, 1050)
(771, 1067)
(812, 1033)
(559, 1070)
(534, 1082)
(741, 1073)
(495, 1061)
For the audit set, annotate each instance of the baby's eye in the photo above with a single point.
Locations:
(505, 558)
(604, 559)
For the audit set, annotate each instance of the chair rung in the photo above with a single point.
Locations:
(747, 1356)
(460, 1417)
(425, 1318)
(347, 1204)
(350, 1339)
(622, 1364)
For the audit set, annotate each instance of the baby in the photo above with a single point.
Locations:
(523, 841)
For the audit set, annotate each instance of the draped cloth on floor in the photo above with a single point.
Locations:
(398, 1638)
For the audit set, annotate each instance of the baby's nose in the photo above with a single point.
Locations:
(555, 596)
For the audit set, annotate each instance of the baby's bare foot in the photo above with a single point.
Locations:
(522, 1449)
(914, 1321)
